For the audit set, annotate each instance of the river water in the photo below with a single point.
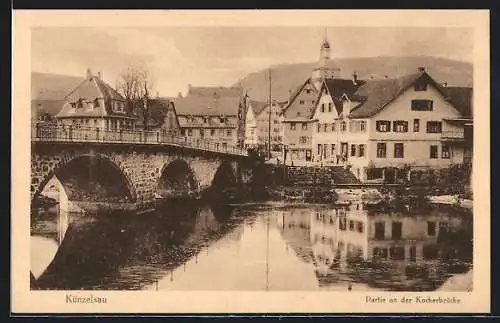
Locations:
(253, 247)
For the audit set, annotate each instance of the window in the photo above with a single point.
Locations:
(344, 126)
(400, 126)
(379, 230)
(304, 126)
(301, 101)
(275, 121)
(222, 120)
(329, 107)
(190, 132)
(319, 149)
(399, 150)
(183, 132)
(96, 103)
(421, 86)
(229, 132)
(353, 150)
(445, 151)
(413, 253)
(325, 127)
(434, 152)
(205, 119)
(322, 107)
(319, 128)
(416, 125)
(342, 224)
(381, 150)
(421, 105)
(298, 114)
(308, 91)
(434, 127)
(359, 226)
(383, 126)
(212, 132)
(361, 151)
(333, 149)
(292, 126)
(303, 140)
(397, 230)
(333, 127)
(351, 225)
(202, 132)
(362, 126)
(431, 228)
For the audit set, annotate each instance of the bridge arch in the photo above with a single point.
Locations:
(93, 176)
(177, 175)
(225, 176)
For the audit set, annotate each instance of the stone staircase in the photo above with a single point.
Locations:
(343, 176)
(319, 176)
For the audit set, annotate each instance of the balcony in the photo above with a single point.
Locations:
(452, 135)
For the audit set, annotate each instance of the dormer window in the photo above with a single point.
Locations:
(80, 104)
(222, 119)
(96, 103)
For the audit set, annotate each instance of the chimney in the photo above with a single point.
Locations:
(157, 94)
(89, 74)
(179, 95)
(445, 84)
(421, 69)
(99, 75)
(355, 78)
(189, 88)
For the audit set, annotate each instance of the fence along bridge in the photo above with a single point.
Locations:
(130, 168)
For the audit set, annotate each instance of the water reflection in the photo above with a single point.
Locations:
(353, 246)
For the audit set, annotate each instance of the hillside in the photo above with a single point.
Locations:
(289, 76)
(46, 86)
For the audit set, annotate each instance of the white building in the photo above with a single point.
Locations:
(258, 121)
(95, 104)
(410, 121)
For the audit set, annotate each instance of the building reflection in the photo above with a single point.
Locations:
(391, 247)
(295, 227)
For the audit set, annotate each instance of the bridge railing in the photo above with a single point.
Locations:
(63, 133)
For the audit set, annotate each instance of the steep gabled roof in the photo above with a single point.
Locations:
(339, 87)
(377, 94)
(296, 93)
(90, 89)
(461, 98)
(257, 106)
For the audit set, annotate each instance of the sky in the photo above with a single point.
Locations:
(220, 56)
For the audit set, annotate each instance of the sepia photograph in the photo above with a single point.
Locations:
(231, 158)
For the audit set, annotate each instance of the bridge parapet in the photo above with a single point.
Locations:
(41, 132)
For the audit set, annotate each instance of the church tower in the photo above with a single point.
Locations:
(325, 68)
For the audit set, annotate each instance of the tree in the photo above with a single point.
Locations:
(135, 85)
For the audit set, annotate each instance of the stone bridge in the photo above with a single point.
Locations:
(107, 171)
